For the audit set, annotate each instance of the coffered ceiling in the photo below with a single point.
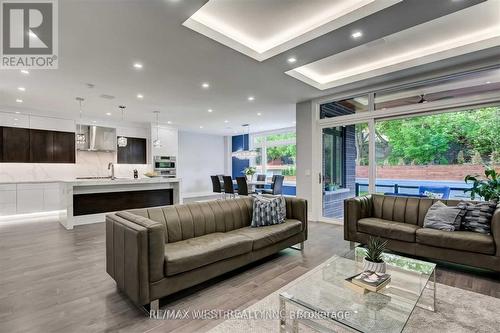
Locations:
(205, 78)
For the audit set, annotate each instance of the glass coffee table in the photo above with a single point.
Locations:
(322, 294)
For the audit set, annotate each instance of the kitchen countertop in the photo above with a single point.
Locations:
(92, 182)
(122, 181)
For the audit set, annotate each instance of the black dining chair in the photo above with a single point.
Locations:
(260, 178)
(242, 185)
(276, 186)
(228, 186)
(216, 185)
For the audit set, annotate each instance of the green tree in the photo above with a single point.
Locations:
(438, 139)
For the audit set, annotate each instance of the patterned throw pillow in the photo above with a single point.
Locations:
(442, 217)
(268, 211)
(477, 216)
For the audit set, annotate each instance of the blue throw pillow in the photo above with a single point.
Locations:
(268, 211)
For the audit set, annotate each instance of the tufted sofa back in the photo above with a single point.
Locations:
(200, 218)
(404, 209)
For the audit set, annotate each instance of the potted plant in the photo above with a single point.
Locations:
(373, 261)
(488, 188)
(333, 187)
(249, 172)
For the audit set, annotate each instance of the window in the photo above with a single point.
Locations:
(343, 107)
(277, 154)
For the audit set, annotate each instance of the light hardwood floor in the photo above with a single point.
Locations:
(54, 280)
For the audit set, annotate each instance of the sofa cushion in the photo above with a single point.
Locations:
(388, 229)
(186, 255)
(442, 217)
(269, 235)
(457, 240)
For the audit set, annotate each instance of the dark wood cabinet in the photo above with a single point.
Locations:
(16, 145)
(133, 153)
(64, 147)
(22, 145)
(41, 146)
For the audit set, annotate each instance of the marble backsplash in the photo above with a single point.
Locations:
(93, 164)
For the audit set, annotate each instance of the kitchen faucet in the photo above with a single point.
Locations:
(112, 167)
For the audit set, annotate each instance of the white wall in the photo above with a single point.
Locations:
(305, 154)
(200, 156)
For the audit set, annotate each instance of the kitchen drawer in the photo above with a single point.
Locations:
(8, 187)
(31, 186)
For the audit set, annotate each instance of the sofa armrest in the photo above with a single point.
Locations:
(135, 250)
(495, 229)
(296, 208)
(355, 209)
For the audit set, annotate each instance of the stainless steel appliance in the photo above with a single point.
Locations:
(98, 138)
(165, 166)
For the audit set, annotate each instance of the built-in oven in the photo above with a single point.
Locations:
(165, 166)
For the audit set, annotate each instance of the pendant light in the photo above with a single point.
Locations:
(81, 138)
(157, 142)
(245, 154)
(122, 141)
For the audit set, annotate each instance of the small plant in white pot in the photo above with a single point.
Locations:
(373, 260)
(249, 172)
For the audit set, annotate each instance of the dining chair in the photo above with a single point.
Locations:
(260, 178)
(276, 186)
(242, 185)
(216, 185)
(228, 186)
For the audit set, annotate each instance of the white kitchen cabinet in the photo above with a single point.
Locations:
(169, 138)
(52, 197)
(29, 198)
(8, 199)
(38, 197)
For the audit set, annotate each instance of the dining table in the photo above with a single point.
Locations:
(252, 185)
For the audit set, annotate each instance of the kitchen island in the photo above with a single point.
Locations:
(88, 201)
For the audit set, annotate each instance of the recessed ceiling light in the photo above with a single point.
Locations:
(108, 113)
(205, 85)
(292, 60)
(140, 96)
(19, 100)
(356, 34)
(226, 121)
(25, 71)
(201, 126)
(169, 122)
(17, 112)
(210, 110)
(251, 98)
(138, 65)
(15, 119)
(488, 82)
(259, 114)
(21, 89)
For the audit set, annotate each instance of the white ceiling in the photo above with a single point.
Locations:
(445, 37)
(100, 41)
(262, 28)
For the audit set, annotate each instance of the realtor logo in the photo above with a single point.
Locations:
(29, 35)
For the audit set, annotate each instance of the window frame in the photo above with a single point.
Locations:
(264, 145)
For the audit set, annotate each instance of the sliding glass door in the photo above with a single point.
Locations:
(344, 167)
(417, 140)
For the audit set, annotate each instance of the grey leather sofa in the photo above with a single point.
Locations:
(400, 220)
(152, 253)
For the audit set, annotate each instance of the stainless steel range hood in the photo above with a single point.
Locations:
(98, 138)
